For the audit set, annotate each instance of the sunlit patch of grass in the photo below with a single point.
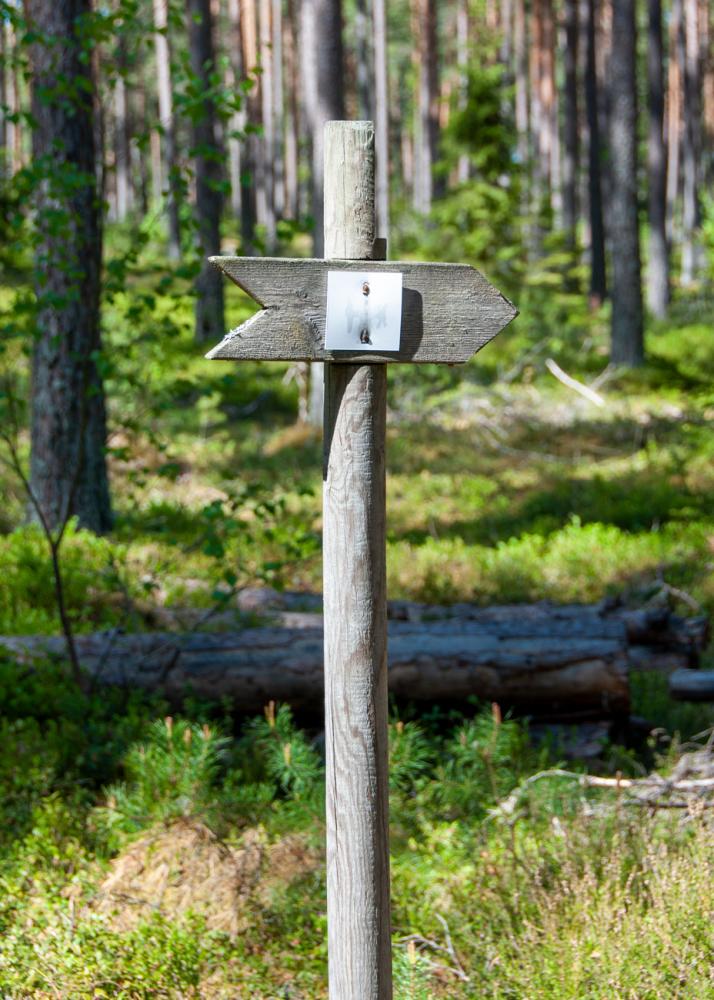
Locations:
(575, 563)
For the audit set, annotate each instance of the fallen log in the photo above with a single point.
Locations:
(548, 668)
(654, 630)
(692, 685)
(559, 662)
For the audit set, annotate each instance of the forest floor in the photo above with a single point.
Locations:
(504, 486)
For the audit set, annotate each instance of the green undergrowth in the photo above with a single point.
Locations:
(571, 895)
(503, 486)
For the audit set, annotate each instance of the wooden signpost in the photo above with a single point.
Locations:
(447, 313)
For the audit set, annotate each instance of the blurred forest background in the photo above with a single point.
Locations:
(564, 147)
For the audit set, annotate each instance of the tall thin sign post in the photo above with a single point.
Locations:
(356, 312)
(355, 601)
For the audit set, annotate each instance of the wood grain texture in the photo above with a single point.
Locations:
(449, 311)
(349, 190)
(355, 614)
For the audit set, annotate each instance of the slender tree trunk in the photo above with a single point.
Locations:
(156, 166)
(462, 61)
(522, 115)
(407, 142)
(364, 72)
(137, 151)
(14, 128)
(381, 116)
(571, 136)
(68, 464)
(597, 228)
(426, 134)
(292, 187)
(267, 144)
(505, 52)
(691, 147)
(549, 100)
(207, 156)
(252, 172)
(674, 118)
(658, 258)
(707, 93)
(278, 109)
(121, 135)
(235, 74)
(323, 89)
(4, 159)
(538, 130)
(171, 183)
(627, 330)
(323, 93)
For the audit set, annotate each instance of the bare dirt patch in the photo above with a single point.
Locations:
(185, 868)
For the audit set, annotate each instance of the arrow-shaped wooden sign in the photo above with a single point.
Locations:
(449, 311)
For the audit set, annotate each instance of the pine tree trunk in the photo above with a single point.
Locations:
(522, 111)
(4, 158)
(462, 61)
(431, 186)
(235, 74)
(121, 135)
(627, 332)
(266, 208)
(538, 131)
(292, 186)
(68, 471)
(139, 157)
(207, 157)
(278, 110)
(658, 259)
(323, 88)
(550, 132)
(14, 126)
(674, 118)
(364, 74)
(381, 117)
(691, 146)
(171, 184)
(323, 95)
(251, 169)
(598, 287)
(707, 59)
(571, 136)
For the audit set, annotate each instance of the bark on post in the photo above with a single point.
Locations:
(355, 611)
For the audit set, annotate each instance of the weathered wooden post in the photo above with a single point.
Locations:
(355, 311)
(355, 603)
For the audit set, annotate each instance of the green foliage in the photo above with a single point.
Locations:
(282, 753)
(27, 595)
(172, 774)
(412, 975)
(479, 764)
